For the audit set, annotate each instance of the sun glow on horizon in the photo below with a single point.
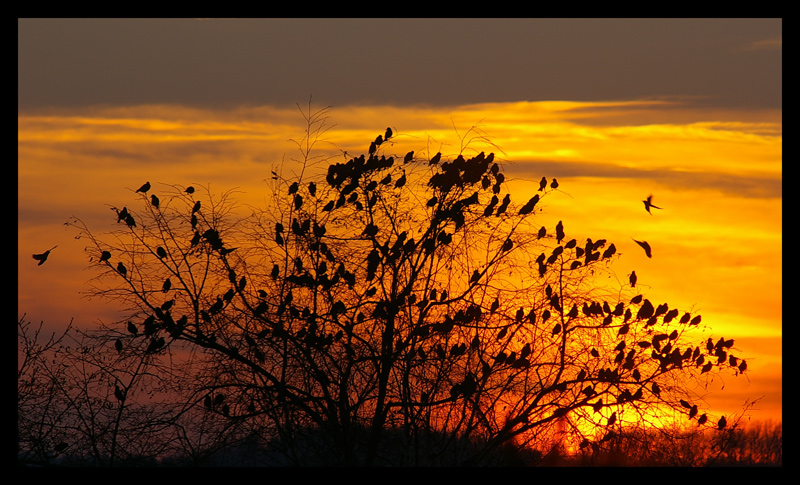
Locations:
(716, 242)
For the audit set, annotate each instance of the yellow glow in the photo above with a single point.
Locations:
(717, 175)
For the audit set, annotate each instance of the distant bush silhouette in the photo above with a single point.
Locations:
(387, 309)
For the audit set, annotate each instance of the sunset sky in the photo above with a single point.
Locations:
(689, 110)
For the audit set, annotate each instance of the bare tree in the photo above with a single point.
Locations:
(389, 308)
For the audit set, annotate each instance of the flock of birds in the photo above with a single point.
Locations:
(123, 215)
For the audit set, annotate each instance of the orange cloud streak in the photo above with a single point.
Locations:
(717, 175)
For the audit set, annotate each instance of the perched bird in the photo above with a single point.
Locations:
(121, 215)
(132, 329)
(559, 232)
(122, 269)
(388, 134)
(648, 203)
(118, 393)
(646, 248)
(130, 221)
(166, 286)
(144, 188)
(401, 181)
(542, 183)
(435, 159)
(43, 257)
(161, 252)
(554, 184)
(190, 190)
(154, 200)
(196, 207)
(722, 423)
(104, 256)
(118, 345)
(527, 208)
(632, 279)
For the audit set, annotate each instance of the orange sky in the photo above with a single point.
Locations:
(717, 174)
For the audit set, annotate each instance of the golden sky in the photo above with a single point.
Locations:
(717, 174)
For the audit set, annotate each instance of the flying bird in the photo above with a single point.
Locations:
(43, 257)
(144, 188)
(648, 203)
(645, 246)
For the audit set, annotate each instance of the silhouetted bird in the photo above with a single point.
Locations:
(43, 257)
(542, 232)
(648, 203)
(190, 190)
(409, 156)
(118, 393)
(121, 215)
(435, 159)
(388, 134)
(559, 232)
(476, 275)
(609, 251)
(161, 252)
(196, 207)
(122, 269)
(542, 183)
(401, 181)
(130, 221)
(632, 279)
(527, 208)
(144, 188)
(132, 329)
(504, 205)
(166, 286)
(554, 184)
(722, 423)
(646, 248)
(118, 345)
(154, 200)
(104, 256)
(656, 389)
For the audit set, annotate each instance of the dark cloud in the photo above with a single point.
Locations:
(226, 62)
